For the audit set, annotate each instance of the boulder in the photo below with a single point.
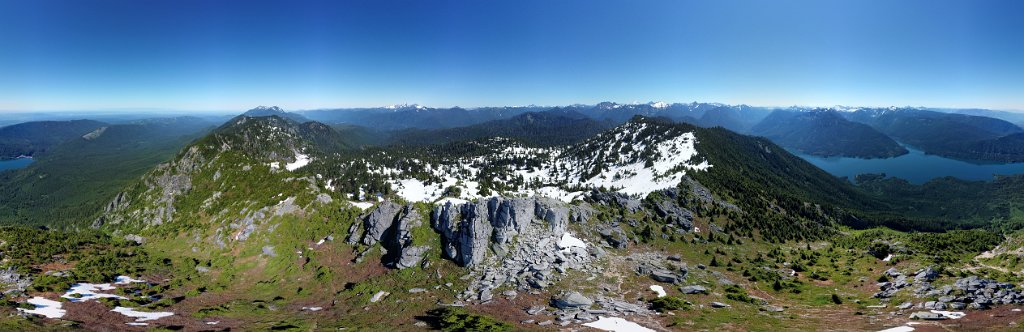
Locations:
(693, 289)
(720, 305)
(572, 300)
(411, 256)
(613, 235)
(926, 274)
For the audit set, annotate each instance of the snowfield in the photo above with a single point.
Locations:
(629, 158)
(617, 324)
(568, 242)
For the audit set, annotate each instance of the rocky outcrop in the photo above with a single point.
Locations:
(468, 230)
(379, 221)
(391, 225)
(162, 187)
(615, 199)
(614, 235)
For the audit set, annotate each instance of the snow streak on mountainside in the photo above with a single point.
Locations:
(636, 158)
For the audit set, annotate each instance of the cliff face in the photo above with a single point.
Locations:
(467, 230)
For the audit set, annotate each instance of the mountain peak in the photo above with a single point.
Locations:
(265, 109)
(261, 111)
(658, 104)
(405, 107)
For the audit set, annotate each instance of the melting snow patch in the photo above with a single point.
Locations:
(141, 316)
(950, 314)
(87, 291)
(568, 242)
(124, 280)
(313, 308)
(362, 205)
(300, 161)
(45, 307)
(898, 329)
(136, 324)
(658, 289)
(888, 258)
(617, 324)
(452, 200)
(379, 296)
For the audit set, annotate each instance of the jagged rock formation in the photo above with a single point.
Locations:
(467, 230)
(391, 225)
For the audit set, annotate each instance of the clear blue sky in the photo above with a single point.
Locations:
(221, 55)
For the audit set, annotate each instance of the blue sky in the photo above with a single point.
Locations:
(230, 55)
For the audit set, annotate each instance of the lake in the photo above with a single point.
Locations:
(916, 167)
(14, 164)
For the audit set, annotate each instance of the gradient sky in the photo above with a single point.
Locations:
(230, 55)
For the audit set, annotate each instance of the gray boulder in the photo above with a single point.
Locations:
(572, 300)
(693, 289)
(720, 305)
(613, 235)
(411, 256)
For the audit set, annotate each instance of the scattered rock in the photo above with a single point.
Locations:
(720, 305)
(927, 315)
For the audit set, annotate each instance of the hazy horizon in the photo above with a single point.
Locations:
(168, 111)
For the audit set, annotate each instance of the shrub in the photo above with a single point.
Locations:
(669, 303)
(458, 320)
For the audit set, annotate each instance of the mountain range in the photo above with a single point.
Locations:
(659, 215)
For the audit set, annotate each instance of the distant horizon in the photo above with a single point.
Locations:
(158, 111)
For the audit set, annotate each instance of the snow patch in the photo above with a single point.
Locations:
(124, 280)
(617, 324)
(45, 307)
(898, 329)
(950, 314)
(87, 291)
(362, 205)
(451, 200)
(141, 316)
(300, 161)
(568, 242)
(658, 289)
(888, 258)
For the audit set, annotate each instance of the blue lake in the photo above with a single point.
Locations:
(916, 167)
(14, 164)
